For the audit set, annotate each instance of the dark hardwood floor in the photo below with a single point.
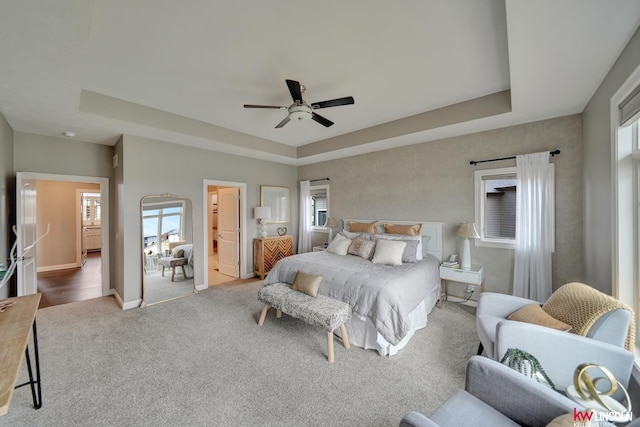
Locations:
(73, 284)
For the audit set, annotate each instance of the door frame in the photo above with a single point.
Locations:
(242, 186)
(104, 197)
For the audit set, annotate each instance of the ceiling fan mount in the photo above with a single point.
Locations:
(300, 110)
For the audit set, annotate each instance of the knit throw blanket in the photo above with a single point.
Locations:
(580, 305)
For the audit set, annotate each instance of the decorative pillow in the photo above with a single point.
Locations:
(307, 283)
(410, 251)
(404, 238)
(362, 248)
(533, 313)
(178, 253)
(339, 245)
(411, 230)
(349, 235)
(389, 252)
(363, 227)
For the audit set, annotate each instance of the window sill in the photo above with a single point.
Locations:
(320, 230)
(500, 244)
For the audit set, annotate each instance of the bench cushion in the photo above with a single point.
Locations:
(322, 311)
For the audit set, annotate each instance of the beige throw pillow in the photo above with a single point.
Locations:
(410, 230)
(179, 253)
(307, 283)
(363, 227)
(533, 313)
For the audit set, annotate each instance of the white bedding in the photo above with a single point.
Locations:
(390, 302)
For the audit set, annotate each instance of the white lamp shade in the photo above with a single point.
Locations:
(262, 212)
(468, 229)
(331, 222)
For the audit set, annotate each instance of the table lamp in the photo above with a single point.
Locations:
(262, 213)
(468, 231)
(331, 224)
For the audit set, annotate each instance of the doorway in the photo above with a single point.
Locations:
(71, 258)
(224, 219)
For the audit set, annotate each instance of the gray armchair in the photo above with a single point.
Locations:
(495, 395)
(558, 352)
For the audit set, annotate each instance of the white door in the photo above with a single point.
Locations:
(26, 235)
(229, 231)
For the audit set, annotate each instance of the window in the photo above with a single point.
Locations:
(625, 122)
(319, 207)
(495, 206)
(91, 208)
(161, 225)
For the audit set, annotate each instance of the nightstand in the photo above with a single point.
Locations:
(473, 277)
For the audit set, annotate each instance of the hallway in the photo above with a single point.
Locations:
(73, 284)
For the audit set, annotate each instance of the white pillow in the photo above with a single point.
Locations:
(349, 234)
(404, 237)
(389, 252)
(339, 245)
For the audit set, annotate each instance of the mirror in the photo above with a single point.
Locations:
(167, 248)
(277, 198)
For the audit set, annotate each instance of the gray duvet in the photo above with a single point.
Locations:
(383, 293)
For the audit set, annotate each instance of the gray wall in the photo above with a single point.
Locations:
(7, 196)
(597, 170)
(433, 181)
(156, 167)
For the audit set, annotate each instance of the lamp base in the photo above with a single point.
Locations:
(263, 229)
(465, 261)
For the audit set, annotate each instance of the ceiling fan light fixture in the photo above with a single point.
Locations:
(300, 112)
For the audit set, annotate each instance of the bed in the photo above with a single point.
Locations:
(390, 302)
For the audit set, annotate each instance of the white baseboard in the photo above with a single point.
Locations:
(128, 305)
(57, 267)
(201, 287)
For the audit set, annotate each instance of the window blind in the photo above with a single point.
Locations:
(630, 108)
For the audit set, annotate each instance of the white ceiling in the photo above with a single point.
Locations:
(181, 71)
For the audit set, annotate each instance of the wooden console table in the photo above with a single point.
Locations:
(16, 323)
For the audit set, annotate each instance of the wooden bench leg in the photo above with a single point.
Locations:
(263, 314)
(173, 273)
(163, 271)
(345, 338)
(330, 346)
(184, 272)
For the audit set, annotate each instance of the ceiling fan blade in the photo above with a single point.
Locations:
(333, 102)
(283, 122)
(296, 91)
(323, 121)
(277, 107)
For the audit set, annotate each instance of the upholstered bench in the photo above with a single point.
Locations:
(320, 310)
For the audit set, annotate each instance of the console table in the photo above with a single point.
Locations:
(16, 324)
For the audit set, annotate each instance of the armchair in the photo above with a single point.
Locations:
(495, 395)
(558, 352)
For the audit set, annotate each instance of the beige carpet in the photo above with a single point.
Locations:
(202, 361)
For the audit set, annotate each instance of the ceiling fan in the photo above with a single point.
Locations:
(300, 110)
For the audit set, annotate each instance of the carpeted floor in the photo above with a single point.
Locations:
(202, 361)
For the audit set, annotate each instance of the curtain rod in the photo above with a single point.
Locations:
(319, 179)
(475, 162)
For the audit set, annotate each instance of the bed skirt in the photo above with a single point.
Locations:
(362, 333)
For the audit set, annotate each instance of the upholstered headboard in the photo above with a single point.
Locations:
(431, 246)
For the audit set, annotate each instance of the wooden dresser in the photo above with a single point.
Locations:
(267, 251)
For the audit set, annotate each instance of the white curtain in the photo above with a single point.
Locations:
(304, 234)
(534, 227)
